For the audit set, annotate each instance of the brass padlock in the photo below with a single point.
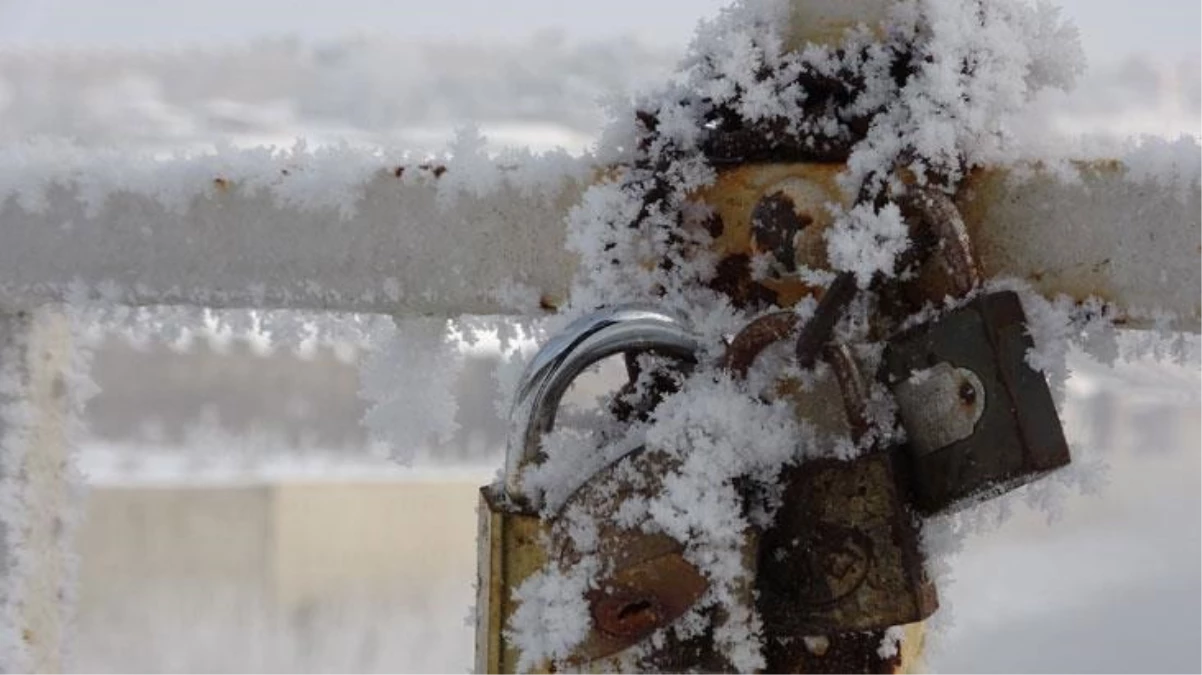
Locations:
(648, 583)
(979, 419)
(843, 553)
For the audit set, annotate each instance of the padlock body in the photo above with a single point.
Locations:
(647, 585)
(509, 551)
(843, 553)
(979, 419)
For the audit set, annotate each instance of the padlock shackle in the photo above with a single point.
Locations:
(627, 328)
(771, 328)
(940, 215)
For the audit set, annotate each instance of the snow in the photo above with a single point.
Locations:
(409, 380)
(867, 241)
(14, 445)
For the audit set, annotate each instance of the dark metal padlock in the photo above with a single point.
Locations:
(843, 553)
(649, 584)
(979, 419)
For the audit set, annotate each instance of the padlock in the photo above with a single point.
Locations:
(842, 554)
(979, 419)
(648, 584)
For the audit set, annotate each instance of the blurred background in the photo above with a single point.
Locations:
(239, 518)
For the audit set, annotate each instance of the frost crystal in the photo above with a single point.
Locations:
(867, 242)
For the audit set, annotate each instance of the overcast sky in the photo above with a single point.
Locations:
(1164, 29)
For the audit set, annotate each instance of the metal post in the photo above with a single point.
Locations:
(35, 491)
(825, 22)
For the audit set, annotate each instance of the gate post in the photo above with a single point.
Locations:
(36, 492)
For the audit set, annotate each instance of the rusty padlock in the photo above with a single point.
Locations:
(979, 419)
(647, 583)
(842, 554)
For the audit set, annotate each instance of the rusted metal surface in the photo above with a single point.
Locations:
(849, 653)
(938, 216)
(990, 432)
(509, 550)
(1111, 235)
(755, 338)
(1092, 237)
(842, 555)
(775, 223)
(648, 584)
(816, 333)
(853, 387)
(826, 21)
(734, 198)
(641, 599)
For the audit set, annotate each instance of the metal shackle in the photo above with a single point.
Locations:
(939, 213)
(626, 328)
(771, 328)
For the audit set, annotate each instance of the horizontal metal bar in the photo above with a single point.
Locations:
(399, 245)
(409, 245)
(1133, 241)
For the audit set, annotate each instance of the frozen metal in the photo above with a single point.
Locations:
(629, 328)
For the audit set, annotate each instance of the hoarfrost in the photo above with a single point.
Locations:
(271, 227)
(43, 387)
(972, 67)
(867, 241)
(553, 616)
(410, 377)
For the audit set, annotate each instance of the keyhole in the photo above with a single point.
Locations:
(628, 616)
(632, 609)
(967, 393)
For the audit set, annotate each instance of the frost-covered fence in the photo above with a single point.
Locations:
(356, 231)
(337, 230)
(351, 231)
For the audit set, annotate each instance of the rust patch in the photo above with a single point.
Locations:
(437, 169)
(639, 600)
(775, 223)
(755, 338)
(733, 279)
(734, 197)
